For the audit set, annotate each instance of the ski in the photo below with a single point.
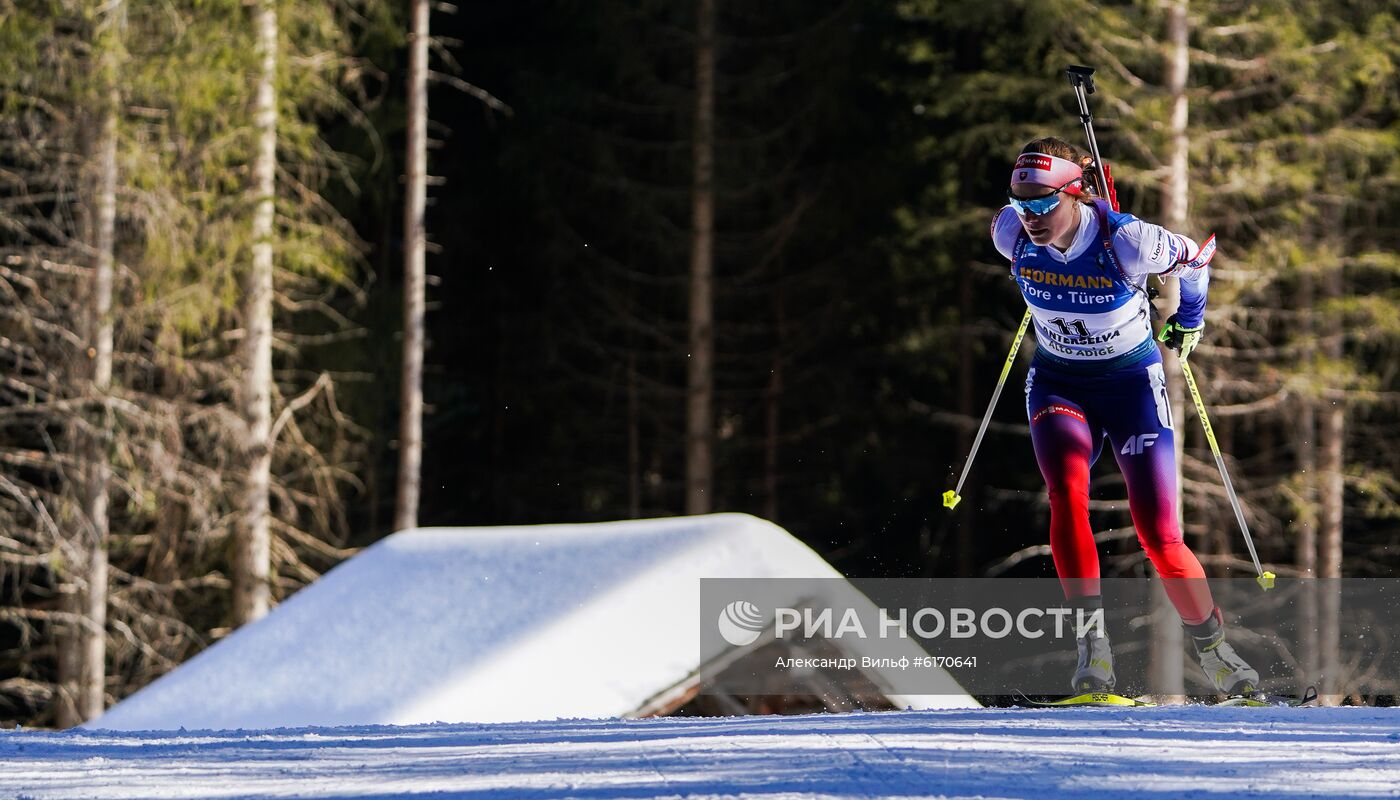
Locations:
(1262, 700)
(1110, 700)
(1088, 699)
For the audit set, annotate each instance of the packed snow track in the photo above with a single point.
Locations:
(1163, 752)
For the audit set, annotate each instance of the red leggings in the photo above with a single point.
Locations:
(1069, 421)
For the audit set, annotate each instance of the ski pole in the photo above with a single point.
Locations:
(1082, 79)
(1266, 578)
(953, 496)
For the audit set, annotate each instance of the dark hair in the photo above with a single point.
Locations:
(1055, 146)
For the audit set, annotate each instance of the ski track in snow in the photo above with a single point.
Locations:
(1160, 752)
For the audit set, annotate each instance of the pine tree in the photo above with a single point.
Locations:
(139, 195)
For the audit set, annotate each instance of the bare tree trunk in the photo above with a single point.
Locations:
(251, 544)
(634, 441)
(1305, 545)
(1166, 655)
(82, 645)
(699, 413)
(1332, 443)
(69, 655)
(967, 407)
(1222, 530)
(414, 277)
(92, 694)
(773, 398)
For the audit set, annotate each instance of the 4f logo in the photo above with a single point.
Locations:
(1136, 444)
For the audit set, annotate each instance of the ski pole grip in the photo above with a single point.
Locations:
(1081, 76)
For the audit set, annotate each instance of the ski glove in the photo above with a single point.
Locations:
(1179, 337)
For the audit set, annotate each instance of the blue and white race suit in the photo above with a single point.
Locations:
(1090, 313)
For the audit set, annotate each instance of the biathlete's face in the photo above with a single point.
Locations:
(1046, 213)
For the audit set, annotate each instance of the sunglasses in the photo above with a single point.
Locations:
(1039, 206)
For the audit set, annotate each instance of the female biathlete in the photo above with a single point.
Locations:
(1082, 268)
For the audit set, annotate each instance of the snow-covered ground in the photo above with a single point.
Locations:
(483, 626)
(1158, 752)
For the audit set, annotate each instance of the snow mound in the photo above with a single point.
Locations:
(478, 625)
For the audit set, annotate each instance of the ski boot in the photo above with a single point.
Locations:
(1223, 666)
(1094, 673)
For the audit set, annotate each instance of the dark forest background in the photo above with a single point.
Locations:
(861, 314)
(556, 374)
